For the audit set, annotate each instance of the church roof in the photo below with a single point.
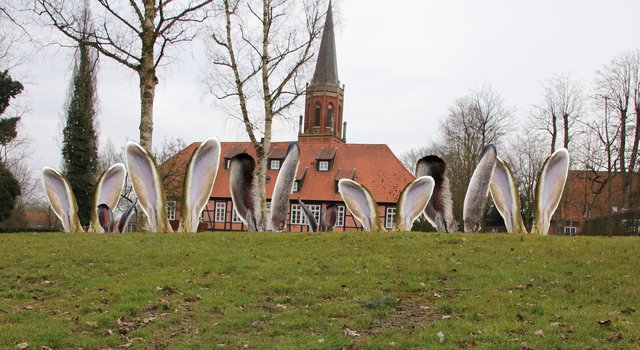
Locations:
(372, 165)
(326, 72)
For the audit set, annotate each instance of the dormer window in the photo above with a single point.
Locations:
(274, 164)
(227, 164)
(296, 186)
(323, 165)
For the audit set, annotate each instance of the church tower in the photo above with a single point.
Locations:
(325, 98)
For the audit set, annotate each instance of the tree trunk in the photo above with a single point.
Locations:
(147, 75)
(565, 121)
(554, 132)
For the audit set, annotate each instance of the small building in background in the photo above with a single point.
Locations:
(588, 200)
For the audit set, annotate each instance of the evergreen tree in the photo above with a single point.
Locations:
(79, 145)
(9, 186)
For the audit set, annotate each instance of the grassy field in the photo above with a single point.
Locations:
(309, 291)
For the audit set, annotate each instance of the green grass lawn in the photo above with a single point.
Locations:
(318, 291)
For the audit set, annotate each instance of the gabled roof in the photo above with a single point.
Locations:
(373, 166)
(326, 72)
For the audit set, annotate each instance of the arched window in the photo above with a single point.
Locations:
(316, 121)
(329, 121)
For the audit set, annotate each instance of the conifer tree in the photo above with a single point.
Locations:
(9, 186)
(79, 145)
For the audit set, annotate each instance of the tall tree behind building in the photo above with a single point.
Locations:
(560, 110)
(618, 83)
(260, 51)
(79, 144)
(137, 34)
(475, 120)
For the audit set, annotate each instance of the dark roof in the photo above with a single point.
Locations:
(326, 153)
(277, 152)
(234, 151)
(345, 174)
(326, 72)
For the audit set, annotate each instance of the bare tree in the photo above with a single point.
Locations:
(619, 84)
(136, 34)
(475, 120)
(561, 107)
(526, 154)
(260, 52)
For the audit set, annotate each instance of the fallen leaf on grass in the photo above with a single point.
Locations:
(614, 337)
(539, 333)
(441, 336)
(604, 323)
(22, 345)
(525, 346)
(349, 332)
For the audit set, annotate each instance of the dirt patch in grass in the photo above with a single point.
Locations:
(410, 312)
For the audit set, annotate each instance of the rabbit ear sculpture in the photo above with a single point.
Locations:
(476, 196)
(549, 189)
(243, 188)
(198, 183)
(62, 200)
(411, 203)
(64, 205)
(439, 210)
(284, 186)
(328, 217)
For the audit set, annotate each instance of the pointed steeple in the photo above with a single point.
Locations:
(326, 72)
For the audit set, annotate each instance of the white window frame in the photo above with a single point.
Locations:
(297, 216)
(570, 230)
(227, 163)
(390, 214)
(171, 210)
(296, 186)
(323, 165)
(220, 213)
(274, 164)
(341, 215)
(235, 218)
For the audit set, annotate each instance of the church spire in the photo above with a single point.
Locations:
(326, 72)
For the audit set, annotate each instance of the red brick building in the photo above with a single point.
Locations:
(586, 197)
(325, 158)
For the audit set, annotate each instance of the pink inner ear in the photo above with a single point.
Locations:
(55, 185)
(203, 174)
(112, 185)
(358, 201)
(553, 180)
(417, 196)
(143, 176)
(501, 189)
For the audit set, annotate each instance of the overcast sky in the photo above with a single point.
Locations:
(403, 65)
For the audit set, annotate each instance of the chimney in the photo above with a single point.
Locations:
(344, 132)
(300, 126)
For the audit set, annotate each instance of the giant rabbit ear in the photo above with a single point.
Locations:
(198, 183)
(549, 188)
(439, 210)
(108, 191)
(243, 189)
(360, 203)
(412, 202)
(284, 186)
(506, 197)
(311, 220)
(329, 218)
(476, 197)
(147, 186)
(62, 200)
